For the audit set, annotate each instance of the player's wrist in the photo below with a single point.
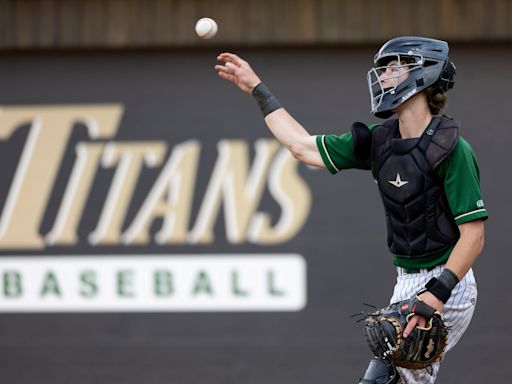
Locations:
(266, 100)
(253, 84)
(442, 286)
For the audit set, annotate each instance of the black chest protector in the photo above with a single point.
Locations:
(419, 221)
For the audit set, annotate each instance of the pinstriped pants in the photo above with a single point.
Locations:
(457, 314)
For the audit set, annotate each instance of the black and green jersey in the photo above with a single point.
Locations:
(458, 172)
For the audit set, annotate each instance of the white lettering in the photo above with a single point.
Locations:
(409, 94)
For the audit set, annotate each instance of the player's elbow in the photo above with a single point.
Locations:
(479, 236)
(307, 156)
(303, 148)
(297, 151)
(475, 233)
(480, 240)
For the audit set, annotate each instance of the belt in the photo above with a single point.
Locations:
(408, 271)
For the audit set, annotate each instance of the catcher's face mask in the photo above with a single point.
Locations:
(385, 79)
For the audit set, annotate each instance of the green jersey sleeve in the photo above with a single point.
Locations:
(337, 154)
(462, 183)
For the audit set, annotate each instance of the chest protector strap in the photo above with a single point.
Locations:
(419, 220)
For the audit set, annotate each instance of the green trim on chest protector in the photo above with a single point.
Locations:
(419, 221)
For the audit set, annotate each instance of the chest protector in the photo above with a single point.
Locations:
(419, 221)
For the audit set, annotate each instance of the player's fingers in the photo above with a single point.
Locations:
(422, 322)
(222, 57)
(232, 68)
(410, 326)
(226, 76)
(227, 68)
(221, 68)
(230, 58)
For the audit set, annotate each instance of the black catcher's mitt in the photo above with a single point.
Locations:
(384, 333)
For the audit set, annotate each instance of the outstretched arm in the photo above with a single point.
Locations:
(283, 126)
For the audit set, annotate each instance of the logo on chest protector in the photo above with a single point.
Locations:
(398, 182)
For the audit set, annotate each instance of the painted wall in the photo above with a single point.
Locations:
(152, 231)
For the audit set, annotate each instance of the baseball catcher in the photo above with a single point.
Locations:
(428, 179)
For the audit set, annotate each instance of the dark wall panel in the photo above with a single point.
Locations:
(176, 96)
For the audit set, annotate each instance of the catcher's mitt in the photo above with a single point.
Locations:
(384, 333)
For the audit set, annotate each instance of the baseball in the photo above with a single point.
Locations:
(206, 28)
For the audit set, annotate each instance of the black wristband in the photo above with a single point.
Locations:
(448, 278)
(266, 100)
(443, 285)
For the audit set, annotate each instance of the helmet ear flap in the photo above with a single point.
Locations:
(446, 80)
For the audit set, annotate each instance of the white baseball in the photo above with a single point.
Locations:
(206, 28)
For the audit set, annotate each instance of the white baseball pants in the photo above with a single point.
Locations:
(457, 314)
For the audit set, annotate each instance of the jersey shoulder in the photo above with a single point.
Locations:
(462, 153)
(337, 151)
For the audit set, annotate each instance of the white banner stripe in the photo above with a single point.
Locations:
(149, 283)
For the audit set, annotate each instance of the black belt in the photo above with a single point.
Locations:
(416, 270)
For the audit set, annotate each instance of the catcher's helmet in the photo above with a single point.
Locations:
(427, 62)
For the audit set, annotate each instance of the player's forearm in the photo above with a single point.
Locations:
(282, 125)
(287, 131)
(463, 256)
(294, 137)
(468, 248)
